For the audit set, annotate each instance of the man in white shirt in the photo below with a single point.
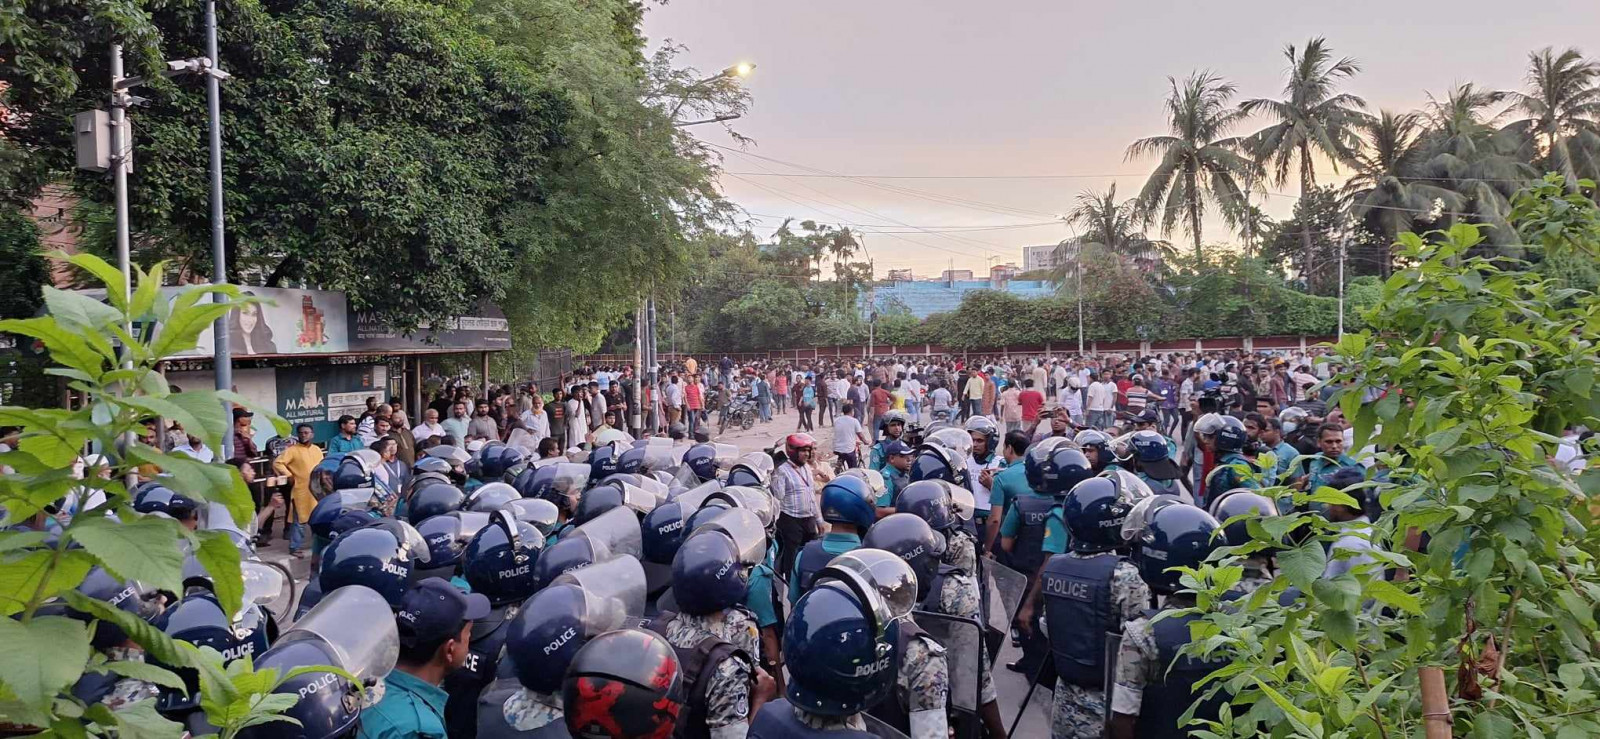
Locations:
(1102, 402)
(941, 400)
(1071, 398)
(428, 428)
(849, 436)
(913, 388)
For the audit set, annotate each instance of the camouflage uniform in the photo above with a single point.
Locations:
(960, 598)
(1077, 712)
(526, 710)
(728, 695)
(1137, 664)
(830, 723)
(924, 680)
(128, 691)
(1255, 578)
(962, 553)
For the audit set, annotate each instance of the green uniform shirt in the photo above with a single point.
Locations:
(1323, 468)
(893, 481)
(1055, 532)
(410, 708)
(832, 543)
(1009, 482)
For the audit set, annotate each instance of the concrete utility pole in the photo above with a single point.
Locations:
(222, 360)
(638, 366)
(121, 161)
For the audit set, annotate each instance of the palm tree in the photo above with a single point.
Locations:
(1115, 226)
(1200, 166)
(1382, 189)
(1312, 119)
(1463, 152)
(1562, 105)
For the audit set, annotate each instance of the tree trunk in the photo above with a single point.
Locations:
(1307, 181)
(1194, 216)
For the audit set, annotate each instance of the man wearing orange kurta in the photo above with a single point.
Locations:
(297, 462)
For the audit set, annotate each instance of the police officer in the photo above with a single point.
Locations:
(379, 554)
(1331, 458)
(954, 589)
(1153, 459)
(840, 644)
(983, 461)
(561, 483)
(1096, 445)
(623, 684)
(497, 564)
(1022, 537)
(1088, 592)
(715, 637)
(894, 429)
(1258, 566)
(846, 504)
(896, 471)
(903, 552)
(154, 498)
(1154, 685)
(1009, 483)
(1227, 475)
(434, 622)
(110, 689)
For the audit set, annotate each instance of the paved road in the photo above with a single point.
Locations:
(1010, 686)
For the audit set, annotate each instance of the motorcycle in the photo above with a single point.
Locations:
(741, 412)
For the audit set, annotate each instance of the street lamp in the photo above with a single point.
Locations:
(742, 69)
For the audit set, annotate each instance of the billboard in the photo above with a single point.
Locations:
(288, 322)
(484, 328)
(320, 395)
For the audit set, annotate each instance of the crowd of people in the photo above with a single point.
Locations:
(517, 569)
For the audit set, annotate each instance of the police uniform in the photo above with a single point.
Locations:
(814, 556)
(1255, 577)
(761, 598)
(523, 714)
(1025, 524)
(893, 482)
(727, 708)
(465, 682)
(1320, 469)
(958, 595)
(922, 682)
(1009, 483)
(1154, 683)
(1077, 625)
(1162, 487)
(410, 708)
(961, 551)
(127, 691)
(780, 720)
(1224, 477)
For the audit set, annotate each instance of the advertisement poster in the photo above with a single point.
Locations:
(485, 329)
(320, 395)
(288, 322)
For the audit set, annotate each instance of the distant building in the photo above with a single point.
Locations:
(1003, 272)
(900, 275)
(955, 275)
(1038, 257)
(928, 297)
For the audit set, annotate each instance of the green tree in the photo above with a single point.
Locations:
(1114, 225)
(1382, 190)
(1463, 151)
(1199, 166)
(1561, 129)
(1313, 119)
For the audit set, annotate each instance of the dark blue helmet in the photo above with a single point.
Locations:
(1094, 511)
(561, 483)
(623, 684)
(707, 575)
(447, 536)
(492, 497)
(354, 471)
(565, 555)
(547, 632)
(541, 514)
(1170, 533)
(434, 499)
(1066, 468)
(603, 462)
(703, 516)
(431, 464)
(1092, 438)
(200, 620)
(663, 530)
(701, 459)
(1231, 437)
(840, 650)
(499, 560)
(378, 556)
(848, 499)
(153, 497)
(595, 501)
(632, 460)
(930, 464)
(337, 504)
(326, 705)
(1038, 457)
(130, 596)
(1240, 502)
(495, 462)
(911, 539)
(1149, 447)
(930, 501)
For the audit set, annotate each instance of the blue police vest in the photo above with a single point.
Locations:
(467, 681)
(1162, 487)
(776, 720)
(812, 559)
(492, 718)
(1166, 700)
(1027, 551)
(1077, 607)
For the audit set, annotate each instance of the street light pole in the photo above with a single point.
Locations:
(1342, 244)
(222, 361)
(121, 158)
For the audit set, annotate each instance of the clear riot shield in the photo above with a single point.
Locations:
(616, 531)
(748, 535)
(355, 623)
(610, 436)
(661, 458)
(727, 454)
(1006, 590)
(449, 453)
(881, 730)
(693, 498)
(962, 639)
(1113, 648)
(524, 441)
(618, 582)
(640, 499)
(755, 500)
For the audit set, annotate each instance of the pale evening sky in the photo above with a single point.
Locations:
(1033, 87)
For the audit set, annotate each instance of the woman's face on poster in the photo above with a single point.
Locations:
(249, 317)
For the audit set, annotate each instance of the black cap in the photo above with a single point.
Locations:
(239, 413)
(433, 610)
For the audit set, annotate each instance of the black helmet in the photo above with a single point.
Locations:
(496, 461)
(447, 535)
(355, 470)
(1094, 511)
(631, 461)
(568, 554)
(603, 462)
(335, 505)
(499, 560)
(1066, 468)
(1168, 533)
(433, 499)
(848, 499)
(199, 620)
(541, 514)
(929, 500)
(130, 596)
(911, 539)
(1231, 437)
(154, 497)
(663, 530)
(1038, 457)
(561, 483)
(326, 705)
(492, 497)
(623, 684)
(1241, 502)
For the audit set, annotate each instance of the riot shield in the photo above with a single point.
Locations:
(1006, 590)
(877, 728)
(748, 535)
(356, 623)
(619, 583)
(691, 500)
(616, 529)
(962, 639)
(1113, 647)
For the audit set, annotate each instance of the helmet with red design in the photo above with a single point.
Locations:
(623, 684)
(794, 443)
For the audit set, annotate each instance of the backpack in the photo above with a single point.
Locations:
(697, 665)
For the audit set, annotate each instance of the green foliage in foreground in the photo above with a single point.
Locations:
(1485, 363)
(43, 655)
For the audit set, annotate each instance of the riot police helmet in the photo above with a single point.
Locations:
(552, 625)
(492, 497)
(849, 500)
(1165, 534)
(911, 539)
(839, 644)
(498, 561)
(1094, 511)
(1241, 502)
(435, 499)
(931, 501)
(623, 684)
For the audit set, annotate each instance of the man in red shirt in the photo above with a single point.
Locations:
(695, 401)
(1032, 400)
(880, 405)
